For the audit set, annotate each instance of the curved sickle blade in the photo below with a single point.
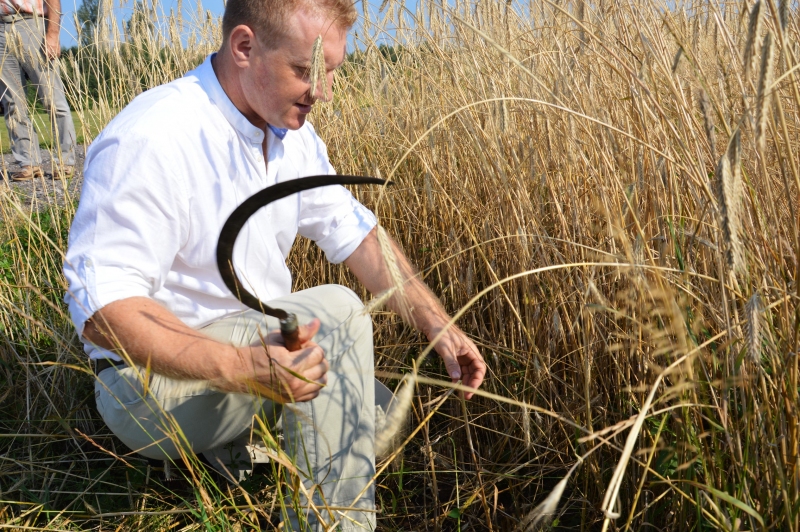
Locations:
(237, 219)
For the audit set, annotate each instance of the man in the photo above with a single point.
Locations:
(29, 43)
(160, 181)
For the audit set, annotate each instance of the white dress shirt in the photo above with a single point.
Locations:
(159, 183)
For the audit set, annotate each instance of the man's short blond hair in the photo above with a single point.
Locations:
(267, 18)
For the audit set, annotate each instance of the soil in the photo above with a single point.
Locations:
(42, 192)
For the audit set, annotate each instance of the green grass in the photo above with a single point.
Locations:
(86, 126)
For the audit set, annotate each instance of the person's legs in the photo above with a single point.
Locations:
(24, 141)
(331, 438)
(155, 415)
(46, 77)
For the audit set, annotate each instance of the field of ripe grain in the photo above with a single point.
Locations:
(606, 197)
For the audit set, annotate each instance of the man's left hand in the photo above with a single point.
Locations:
(52, 46)
(463, 361)
(460, 355)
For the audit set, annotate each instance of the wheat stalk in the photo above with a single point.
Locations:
(783, 13)
(754, 328)
(545, 511)
(728, 212)
(318, 72)
(526, 427)
(378, 301)
(735, 158)
(753, 30)
(395, 419)
(708, 121)
(677, 59)
(763, 96)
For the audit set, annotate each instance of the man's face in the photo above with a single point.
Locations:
(277, 84)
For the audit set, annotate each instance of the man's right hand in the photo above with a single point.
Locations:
(155, 338)
(280, 375)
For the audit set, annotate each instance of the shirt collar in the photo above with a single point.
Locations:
(279, 132)
(208, 79)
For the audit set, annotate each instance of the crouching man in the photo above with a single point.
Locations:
(144, 288)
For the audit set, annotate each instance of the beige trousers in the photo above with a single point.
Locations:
(331, 439)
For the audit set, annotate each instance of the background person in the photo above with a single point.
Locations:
(29, 43)
(159, 183)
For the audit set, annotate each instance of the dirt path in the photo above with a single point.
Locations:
(38, 193)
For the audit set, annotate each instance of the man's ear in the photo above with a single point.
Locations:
(241, 43)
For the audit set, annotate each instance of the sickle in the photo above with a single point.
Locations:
(237, 219)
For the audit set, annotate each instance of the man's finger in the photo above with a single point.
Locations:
(473, 368)
(452, 366)
(472, 382)
(310, 390)
(308, 330)
(307, 396)
(309, 356)
(318, 373)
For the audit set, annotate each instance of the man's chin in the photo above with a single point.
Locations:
(295, 122)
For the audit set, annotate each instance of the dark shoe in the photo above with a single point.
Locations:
(26, 173)
(63, 172)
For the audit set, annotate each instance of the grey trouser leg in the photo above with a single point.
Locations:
(24, 141)
(331, 438)
(21, 50)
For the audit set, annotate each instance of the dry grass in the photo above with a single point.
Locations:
(604, 193)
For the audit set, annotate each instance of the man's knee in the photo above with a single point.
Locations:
(337, 295)
(342, 302)
(55, 103)
(346, 323)
(14, 111)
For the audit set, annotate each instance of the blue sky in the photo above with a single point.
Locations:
(68, 33)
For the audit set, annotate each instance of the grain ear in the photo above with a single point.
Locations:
(754, 328)
(394, 420)
(728, 202)
(753, 29)
(763, 95)
(708, 121)
(318, 73)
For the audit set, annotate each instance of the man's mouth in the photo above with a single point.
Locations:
(303, 108)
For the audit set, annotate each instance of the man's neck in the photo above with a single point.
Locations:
(228, 76)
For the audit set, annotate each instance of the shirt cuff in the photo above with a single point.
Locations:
(343, 240)
(88, 293)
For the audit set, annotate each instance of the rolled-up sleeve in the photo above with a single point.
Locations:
(331, 216)
(128, 226)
